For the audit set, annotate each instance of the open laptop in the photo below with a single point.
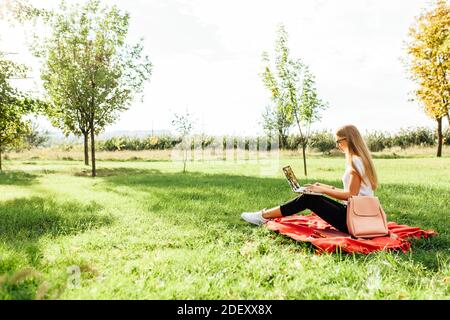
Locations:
(295, 186)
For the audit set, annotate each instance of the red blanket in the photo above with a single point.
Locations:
(312, 228)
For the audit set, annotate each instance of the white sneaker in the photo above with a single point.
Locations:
(254, 217)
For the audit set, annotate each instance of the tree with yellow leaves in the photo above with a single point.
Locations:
(429, 52)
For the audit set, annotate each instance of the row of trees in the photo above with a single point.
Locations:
(323, 141)
(90, 72)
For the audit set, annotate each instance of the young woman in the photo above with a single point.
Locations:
(359, 178)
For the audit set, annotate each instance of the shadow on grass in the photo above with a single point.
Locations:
(24, 221)
(18, 178)
(200, 199)
(108, 172)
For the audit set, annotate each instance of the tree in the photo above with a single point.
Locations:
(429, 52)
(276, 117)
(13, 106)
(293, 90)
(306, 109)
(12, 127)
(19, 10)
(184, 125)
(35, 138)
(275, 120)
(91, 74)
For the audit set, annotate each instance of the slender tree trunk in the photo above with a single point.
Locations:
(185, 160)
(304, 159)
(281, 139)
(86, 148)
(91, 127)
(440, 138)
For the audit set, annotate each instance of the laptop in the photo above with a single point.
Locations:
(295, 186)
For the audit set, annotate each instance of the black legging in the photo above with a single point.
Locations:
(333, 212)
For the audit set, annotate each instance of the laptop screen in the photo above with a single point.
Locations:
(290, 176)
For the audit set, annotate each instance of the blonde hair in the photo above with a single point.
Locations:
(358, 147)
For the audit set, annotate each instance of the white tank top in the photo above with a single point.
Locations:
(366, 187)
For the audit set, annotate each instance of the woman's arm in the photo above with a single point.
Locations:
(326, 186)
(353, 188)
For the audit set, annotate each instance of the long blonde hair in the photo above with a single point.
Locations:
(358, 147)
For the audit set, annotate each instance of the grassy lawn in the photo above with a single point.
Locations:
(143, 230)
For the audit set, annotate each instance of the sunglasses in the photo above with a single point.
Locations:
(338, 141)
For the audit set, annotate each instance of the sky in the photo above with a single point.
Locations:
(206, 57)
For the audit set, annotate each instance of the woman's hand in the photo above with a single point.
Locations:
(314, 188)
(326, 186)
(323, 186)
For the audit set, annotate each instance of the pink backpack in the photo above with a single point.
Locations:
(366, 217)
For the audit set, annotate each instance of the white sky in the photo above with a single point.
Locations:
(207, 57)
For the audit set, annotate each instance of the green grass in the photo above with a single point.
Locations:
(143, 230)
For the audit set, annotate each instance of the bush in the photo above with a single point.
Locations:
(112, 144)
(293, 142)
(247, 144)
(133, 143)
(202, 141)
(163, 142)
(36, 138)
(67, 146)
(446, 134)
(420, 136)
(423, 137)
(235, 142)
(378, 141)
(323, 141)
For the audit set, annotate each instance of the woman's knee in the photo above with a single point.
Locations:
(299, 201)
(308, 198)
(294, 205)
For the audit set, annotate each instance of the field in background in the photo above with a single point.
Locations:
(75, 152)
(144, 230)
